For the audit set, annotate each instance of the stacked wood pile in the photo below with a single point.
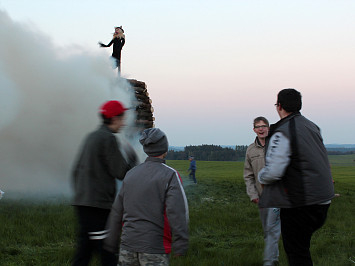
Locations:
(143, 104)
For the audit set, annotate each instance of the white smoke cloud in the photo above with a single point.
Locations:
(49, 101)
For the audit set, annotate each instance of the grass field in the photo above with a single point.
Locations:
(224, 226)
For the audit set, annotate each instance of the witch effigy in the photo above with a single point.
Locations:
(118, 42)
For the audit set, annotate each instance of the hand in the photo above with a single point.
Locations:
(256, 201)
(102, 45)
(132, 160)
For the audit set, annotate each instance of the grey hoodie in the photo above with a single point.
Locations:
(150, 207)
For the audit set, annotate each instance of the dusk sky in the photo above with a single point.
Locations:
(211, 67)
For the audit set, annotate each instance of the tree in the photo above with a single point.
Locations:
(209, 153)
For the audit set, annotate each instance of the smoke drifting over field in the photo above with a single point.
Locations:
(49, 101)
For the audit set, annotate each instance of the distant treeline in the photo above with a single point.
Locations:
(340, 151)
(218, 153)
(209, 153)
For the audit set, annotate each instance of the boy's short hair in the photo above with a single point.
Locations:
(260, 118)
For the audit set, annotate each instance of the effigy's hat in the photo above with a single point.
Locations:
(120, 27)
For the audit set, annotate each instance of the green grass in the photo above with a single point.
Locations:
(225, 228)
(345, 160)
(36, 234)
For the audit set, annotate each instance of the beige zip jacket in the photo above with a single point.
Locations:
(254, 162)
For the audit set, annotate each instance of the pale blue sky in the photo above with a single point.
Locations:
(213, 66)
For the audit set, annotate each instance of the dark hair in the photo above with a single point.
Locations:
(261, 118)
(290, 100)
(108, 121)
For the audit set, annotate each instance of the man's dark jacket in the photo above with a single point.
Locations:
(99, 164)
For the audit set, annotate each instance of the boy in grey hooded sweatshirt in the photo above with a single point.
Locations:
(149, 217)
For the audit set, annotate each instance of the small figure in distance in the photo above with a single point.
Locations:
(118, 42)
(192, 169)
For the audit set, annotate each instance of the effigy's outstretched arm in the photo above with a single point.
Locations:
(105, 45)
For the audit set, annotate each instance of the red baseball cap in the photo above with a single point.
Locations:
(112, 108)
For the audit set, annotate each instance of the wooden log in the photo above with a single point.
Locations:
(140, 90)
(146, 100)
(136, 83)
(146, 107)
(141, 97)
(145, 118)
(143, 113)
(142, 105)
(143, 93)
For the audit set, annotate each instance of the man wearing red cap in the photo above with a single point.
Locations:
(99, 164)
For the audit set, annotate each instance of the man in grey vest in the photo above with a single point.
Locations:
(296, 177)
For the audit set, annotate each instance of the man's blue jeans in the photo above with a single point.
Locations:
(192, 175)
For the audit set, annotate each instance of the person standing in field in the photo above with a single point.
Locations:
(118, 42)
(296, 177)
(270, 217)
(192, 169)
(149, 217)
(99, 164)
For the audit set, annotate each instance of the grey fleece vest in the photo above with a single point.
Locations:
(307, 179)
